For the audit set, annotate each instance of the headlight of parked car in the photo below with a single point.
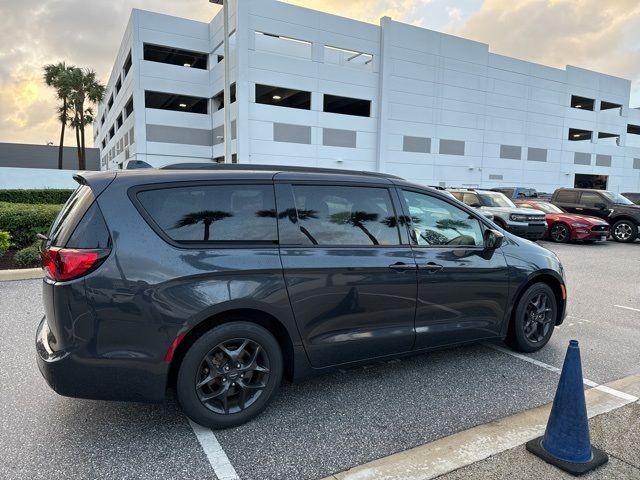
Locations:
(518, 218)
(580, 225)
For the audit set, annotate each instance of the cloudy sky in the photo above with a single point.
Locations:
(602, 35)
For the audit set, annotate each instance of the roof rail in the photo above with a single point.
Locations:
(272, 168)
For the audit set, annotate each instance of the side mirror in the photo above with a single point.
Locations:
(600, 206)
(492, 239)
(475, 205)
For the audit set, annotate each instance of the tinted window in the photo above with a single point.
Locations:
(91, 232)
(214, 213)
(567, 196)
(69, 216)
(435, 222)
(590, 199)
(335, 215)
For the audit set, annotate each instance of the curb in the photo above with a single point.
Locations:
(464, 448)
(21, 274)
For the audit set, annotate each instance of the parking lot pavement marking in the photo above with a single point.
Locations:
(450, 453)
(215, 453)
(551, 368)
(628, 308)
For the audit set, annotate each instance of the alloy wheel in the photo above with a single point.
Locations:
(623, 231)
(559, 233)
(538, 316)
(232, 376)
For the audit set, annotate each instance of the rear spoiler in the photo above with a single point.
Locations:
(98, 181)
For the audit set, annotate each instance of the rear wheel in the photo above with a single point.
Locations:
(624, 231)
(534, 319)
(229, 375)
(560, 233)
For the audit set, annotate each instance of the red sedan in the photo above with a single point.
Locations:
(564, 227)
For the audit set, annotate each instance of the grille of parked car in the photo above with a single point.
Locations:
(600, 228)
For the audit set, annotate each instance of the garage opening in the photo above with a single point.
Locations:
(584, 180)
(582, 102)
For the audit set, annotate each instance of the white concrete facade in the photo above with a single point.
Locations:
(444, 110)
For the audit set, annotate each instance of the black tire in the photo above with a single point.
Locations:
(254, 367)
(528, 330)
(559, 233)
(624, 231)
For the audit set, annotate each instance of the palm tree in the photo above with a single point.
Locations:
(206, 217)
(356, 219)
(85, 89)
(58, 77)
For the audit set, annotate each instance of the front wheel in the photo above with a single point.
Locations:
(560, 233)
(229, 375)
(534, 319)
(624, 231)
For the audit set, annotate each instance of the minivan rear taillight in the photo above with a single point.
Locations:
(62, 264)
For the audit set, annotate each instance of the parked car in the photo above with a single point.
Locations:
(634, 197)
(618, 211)
(523, 222)
(565, 227)
(220, 282)
(517, 192)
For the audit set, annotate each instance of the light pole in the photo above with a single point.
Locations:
(227, 81)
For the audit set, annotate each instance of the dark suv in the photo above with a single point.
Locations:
(218, 283)
(619, 211)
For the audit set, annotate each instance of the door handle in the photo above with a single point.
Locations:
(400, 266)
(579, 208)
(430, 267)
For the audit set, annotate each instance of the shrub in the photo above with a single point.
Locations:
(49, 196)
(5, 242)
(28, 257)
(24, 221)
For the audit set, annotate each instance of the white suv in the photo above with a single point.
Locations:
(523, 222)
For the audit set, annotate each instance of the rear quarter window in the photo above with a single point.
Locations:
(567, 197)
(70, 215)
(213, 213)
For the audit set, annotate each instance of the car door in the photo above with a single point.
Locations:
(462, 287)
(591, 204)
(350, 275)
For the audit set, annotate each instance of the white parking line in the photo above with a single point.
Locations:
(628, 308)
(215, 454)
(551, 368)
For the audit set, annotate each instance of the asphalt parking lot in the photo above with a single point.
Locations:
(323, 425)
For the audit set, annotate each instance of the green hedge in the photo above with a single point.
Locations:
(28, 257)
(5, 242)
(24, 221)
(49, 195)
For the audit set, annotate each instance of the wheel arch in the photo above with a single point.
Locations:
(253, 315)
(554, 281)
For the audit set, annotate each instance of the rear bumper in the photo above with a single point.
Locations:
(73, 374)
(530, 232)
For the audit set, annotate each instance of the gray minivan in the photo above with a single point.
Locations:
(218, 283)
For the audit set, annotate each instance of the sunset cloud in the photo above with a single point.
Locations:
(593, 34)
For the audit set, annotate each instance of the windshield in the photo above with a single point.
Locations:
(545, 207)
(616, 198)
(495, 199)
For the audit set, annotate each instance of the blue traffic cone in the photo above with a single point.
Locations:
(566, 442)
